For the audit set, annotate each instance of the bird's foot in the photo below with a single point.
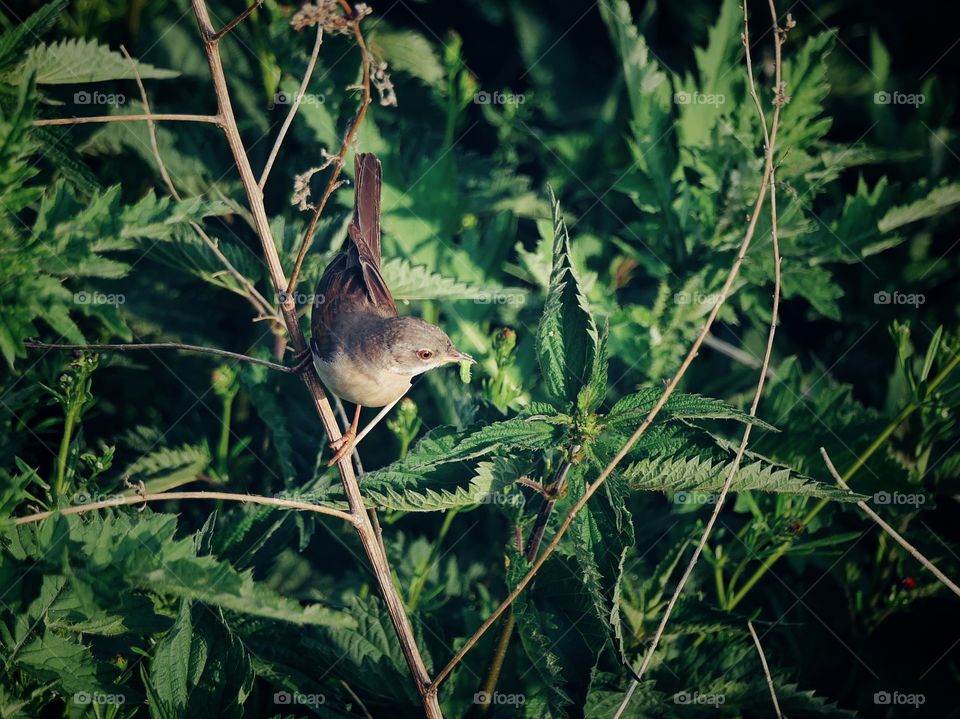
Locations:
(303, 361)
(343, 446)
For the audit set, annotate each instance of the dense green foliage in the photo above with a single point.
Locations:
(565, 189)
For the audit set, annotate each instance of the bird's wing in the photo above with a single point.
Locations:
(352, 281)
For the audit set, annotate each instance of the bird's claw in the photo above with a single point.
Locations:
(303, 361)
(343, 446)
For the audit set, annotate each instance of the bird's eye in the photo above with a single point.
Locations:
(424, 354)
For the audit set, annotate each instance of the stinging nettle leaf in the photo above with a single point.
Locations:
(567, 336)
(81, 60)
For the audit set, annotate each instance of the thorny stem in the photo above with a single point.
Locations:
(368, 537)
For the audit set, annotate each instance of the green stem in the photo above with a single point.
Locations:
(63, 455)
(420, 576)
(718, 580)
(877, 443)
(496, 665)
(223, 446)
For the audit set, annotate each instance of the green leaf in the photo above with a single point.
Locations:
(567, 338)
(79, 60)
(415, 282)
(632, 409)
(687, 475)
(199, 666)
(15, 40)
(932, 204)
(167, 467)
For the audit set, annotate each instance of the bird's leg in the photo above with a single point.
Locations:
(344, 445)
(355, 439)
(303, 361)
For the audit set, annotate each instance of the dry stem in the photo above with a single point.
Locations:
(591, 489)
(223, 496)
(766, 669)
(348, 138)
(770, 141)
(365, 530)
(913, 551)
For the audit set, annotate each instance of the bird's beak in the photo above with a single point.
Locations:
(458, 356)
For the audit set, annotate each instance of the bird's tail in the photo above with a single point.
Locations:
(365, 228)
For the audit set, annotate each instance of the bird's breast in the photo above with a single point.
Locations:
(361, 385)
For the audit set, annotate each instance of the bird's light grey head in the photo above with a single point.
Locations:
(415, 346)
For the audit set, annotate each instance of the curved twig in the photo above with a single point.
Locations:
(368, 536)
(169, 116)
(898, 538)
(766, 669)
(259, 302)
(274, 151)
(164, 346)
(220, 496)
(591, 489)
(341, 155)
(770, 141)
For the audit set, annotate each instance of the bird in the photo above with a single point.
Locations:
(363, 350)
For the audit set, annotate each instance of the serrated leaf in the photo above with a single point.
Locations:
(79, 60)
(567, 335)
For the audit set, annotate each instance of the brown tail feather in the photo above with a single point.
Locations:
(366, 207)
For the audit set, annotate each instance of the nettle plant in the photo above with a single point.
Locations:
(317, 591)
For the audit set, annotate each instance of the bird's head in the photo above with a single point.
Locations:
(415, 346)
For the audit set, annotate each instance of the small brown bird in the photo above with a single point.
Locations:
(363, 350)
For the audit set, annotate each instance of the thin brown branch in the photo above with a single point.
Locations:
(158, 116)
(898, 538)
(163, 346)
(766, 669)
(368, 538)
(237, 20)
(275, 150)
(770, 141)
(259, 302)
(219, 496)
(332, 183)
(671, 386)
(360, 704)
